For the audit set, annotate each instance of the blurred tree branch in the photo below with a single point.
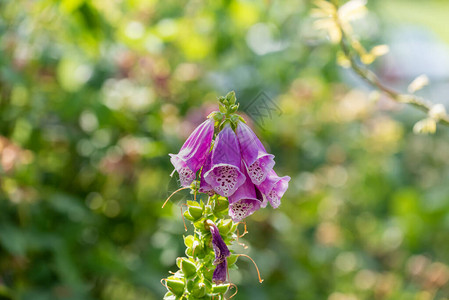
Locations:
(336, 20)
(371, 78)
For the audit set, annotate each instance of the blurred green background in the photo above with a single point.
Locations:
(94, 95)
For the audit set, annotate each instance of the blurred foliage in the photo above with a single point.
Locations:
(95, 94)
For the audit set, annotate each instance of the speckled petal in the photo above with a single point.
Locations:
(245, 201)
(274, 187)
(186, 175)
(225, 176)
(258, 162)
(193, 153)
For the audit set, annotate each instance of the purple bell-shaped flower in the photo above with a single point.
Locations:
(194, 152)
(258, 162)
(204, 186)
(245, 201)
(225, 175)
(221, 252)
(273, 188)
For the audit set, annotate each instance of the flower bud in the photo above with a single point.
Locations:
(175, 285)
(188, 241)
(225, 226)
(198, 250)
(200, 226)
(220, 204)
(199, 289)
(196, 212)
(231, 97)
(188, 216)
(178, 262)
(188, 268)
(218, 116)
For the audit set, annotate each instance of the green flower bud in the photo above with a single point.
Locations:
(196, 212)
(218, 116)
(225, 226)
(200, 226)
(176, 286)
(199, 289)
(188, 267)
(178, 262)
(188, 241)
(198, 250)
(188, 216)
(233, 108)
(231, 97)
(220, 204)
(220, 289)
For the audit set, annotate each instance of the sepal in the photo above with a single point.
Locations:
(189, 268)
(175, 285)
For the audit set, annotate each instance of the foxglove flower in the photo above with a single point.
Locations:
(204, 186)
(220, 272)
(194, 152)
(258, 162)
(245, 201)
(225, 175)
(221, 253)
(273, 188)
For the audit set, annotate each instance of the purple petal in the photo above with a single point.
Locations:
(243, 208)
(221, 253)
(186, 175)
(244, 202)
(256, 158)
(204, 186)
(274, 188)
(220, 272)
(263, 200)
(220, 249)
(225, 175)
(194, 152)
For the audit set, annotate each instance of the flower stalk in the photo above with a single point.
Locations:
(225, 164)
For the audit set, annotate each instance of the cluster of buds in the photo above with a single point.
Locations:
(202, 272)
(223, 159)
